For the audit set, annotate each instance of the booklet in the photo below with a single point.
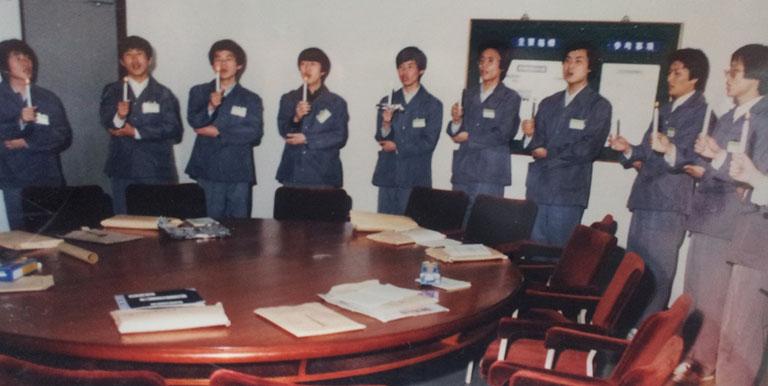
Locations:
(308, 319)
(465, 252)
(20, 240)
(378, 222)
(418, 235)
(170, 298)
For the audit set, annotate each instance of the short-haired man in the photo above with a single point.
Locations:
(228, 123)
(571, 127)
(483, 125)
(33, 131)
(142, 118)
(719, 201)
(313, 122)
(407, 135)
(661, 195)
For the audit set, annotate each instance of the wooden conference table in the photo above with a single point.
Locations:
(265, 263)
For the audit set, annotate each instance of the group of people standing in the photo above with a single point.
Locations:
(694, 172)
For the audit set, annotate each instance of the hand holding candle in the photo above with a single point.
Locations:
(218, 78)
(707, 118)
(655, 133)
(27, 82)
(744, 135)
(304, 90)
(125, 89)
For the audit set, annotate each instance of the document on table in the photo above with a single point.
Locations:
(378, 222)
(384, 302)
(450, 285)
(169, 319)
(418, 235)
(308, 319)
(465, 252)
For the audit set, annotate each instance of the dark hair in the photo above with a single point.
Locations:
(505, 53)
(314, 54)
(696, 62)
(8, 47)
(234, 48)
(412, 53)
(592, 54)
(134, 43)
(754, 57)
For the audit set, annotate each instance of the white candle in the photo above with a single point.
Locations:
(218, 79)
(618, 127)
(744, 135)
(29, 92)
(125, 89)
(461, 96)
(707, 117)
(533, 109)
(304, 91)
(655, 122)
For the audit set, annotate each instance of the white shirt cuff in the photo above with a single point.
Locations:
(628, 153)
(760, 191)
(136, 135)
(671, 155)
(718, 161)
(526, 141)
(455, 128)
(117, 121)
(385, 131)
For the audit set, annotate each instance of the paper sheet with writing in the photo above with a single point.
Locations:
(418, 235)
(534, 80)
(384, 302)
(631, 89)
(308, 319)
(465, 253)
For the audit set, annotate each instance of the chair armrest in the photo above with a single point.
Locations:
(513, 329)
(536, 298)
(589, 290)
(530, 377)
(560, 338)
(523, 248)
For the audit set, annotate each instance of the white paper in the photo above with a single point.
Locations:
(449, 284)
(466, 250)
(384, 302)
(239, 111)
(440, 243)
(534, 80)
(631, 89)
(308, 319)
(169, 319)
(423, 235)
(150, 108)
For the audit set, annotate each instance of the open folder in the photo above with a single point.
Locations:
(378, 222)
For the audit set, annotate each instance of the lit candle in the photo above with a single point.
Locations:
(461, 96)
(218, 79)
(655, 122)
(744, 135)
(125, 89)
(707, 117)
(618, 127)
(29, 92)
(389, 98)
(533, 109)
(304, 91)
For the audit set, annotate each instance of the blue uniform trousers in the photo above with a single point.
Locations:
(227, 199)
(393, 200)
(554, 223)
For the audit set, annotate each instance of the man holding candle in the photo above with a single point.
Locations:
(407, 137)
(33, 128)
(143, 127)
(570, 129)
(227, 119)
(661, 194)
(719, 200)
(313, 122)
(483, 123)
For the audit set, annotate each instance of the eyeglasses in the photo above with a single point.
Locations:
(732, 72)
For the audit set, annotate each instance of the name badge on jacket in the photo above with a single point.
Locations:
(576, 124)
(489, 113)
(150, 107)
(42, 119)
(239, 111)
(323, 115)
(419, 123)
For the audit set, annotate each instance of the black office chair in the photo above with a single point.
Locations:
(330, 205)
(495, 220)
(177, 200)
(437, 209)
(60, 209)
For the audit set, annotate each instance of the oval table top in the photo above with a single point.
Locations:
(265, 263)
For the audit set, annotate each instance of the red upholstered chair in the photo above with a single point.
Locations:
(224, 377)
(572, 351)
(654, 374)
(607, 225)
(441, 210)
(605, 310)
(329, 205)
(578, 263)
(495, 220)
(22, 373)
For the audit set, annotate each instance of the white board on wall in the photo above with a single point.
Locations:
(631, 89)
(10, 25)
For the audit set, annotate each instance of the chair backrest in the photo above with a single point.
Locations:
(22, 373)
(495, 220)
(586, 249)
(619, 291)
(224, 377)
(652, 336)
(437, 209)
(175, 200)
(64, 208)
(330, 205)
(607, 225)
(659, 371)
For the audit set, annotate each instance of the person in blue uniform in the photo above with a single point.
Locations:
(32, 137)
(228, 123)
(720, 201)
(143, 125)
(314, 127)
(407, 135)
(570, 129)
(661, 194)
(483, 125)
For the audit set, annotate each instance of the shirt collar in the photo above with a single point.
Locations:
(682, 99)
(138, 87)
(409, 95)
(745, 107)
(485, 94)
(569, 98)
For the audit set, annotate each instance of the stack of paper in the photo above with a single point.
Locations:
(465, 252)
(384, 302)
(308, 319)
(377, 222)
(134, 222)
(418, 235)
(28, 283)
(450, 285)
(19, 240)
(168, 319)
